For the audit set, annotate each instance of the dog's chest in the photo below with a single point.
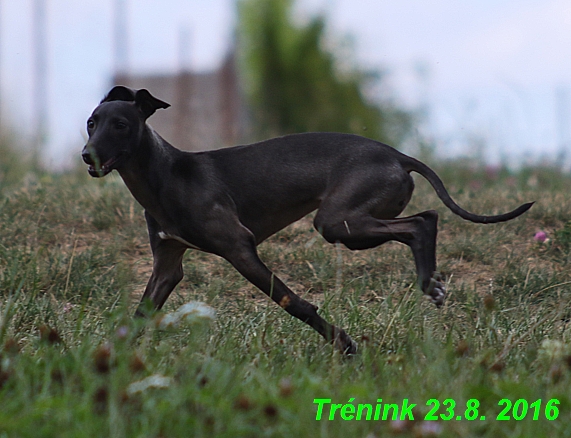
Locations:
(165, 236)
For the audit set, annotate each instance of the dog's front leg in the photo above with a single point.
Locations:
(244, 258)
(167, 268)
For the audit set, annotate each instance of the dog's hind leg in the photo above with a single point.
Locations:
(365, 231)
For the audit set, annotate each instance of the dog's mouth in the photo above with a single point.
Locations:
(97, 170)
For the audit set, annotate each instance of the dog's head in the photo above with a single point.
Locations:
(115, 128)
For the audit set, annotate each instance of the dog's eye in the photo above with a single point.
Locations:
(90, 124)
(120, 125)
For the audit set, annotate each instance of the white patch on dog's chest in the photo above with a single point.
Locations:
(165, 236)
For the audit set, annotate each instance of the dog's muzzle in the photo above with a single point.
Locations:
(96, 168)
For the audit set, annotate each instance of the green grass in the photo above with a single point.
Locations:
(74, 260)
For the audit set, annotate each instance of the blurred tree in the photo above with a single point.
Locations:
(295, 83)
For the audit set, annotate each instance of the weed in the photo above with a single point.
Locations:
(74, 260)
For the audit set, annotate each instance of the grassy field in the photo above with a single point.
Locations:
(74, 260)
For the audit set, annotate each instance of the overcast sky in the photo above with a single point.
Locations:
(494, 72)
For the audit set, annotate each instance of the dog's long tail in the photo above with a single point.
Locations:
(411, 164)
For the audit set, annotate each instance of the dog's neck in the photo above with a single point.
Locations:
(143, 176)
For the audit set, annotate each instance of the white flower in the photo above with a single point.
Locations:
(154, 381)
(552, 350)
(191, 312)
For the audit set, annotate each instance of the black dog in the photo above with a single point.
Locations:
(228, 201)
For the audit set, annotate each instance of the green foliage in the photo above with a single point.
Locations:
(14, 163)
(563, 236)
(297, 83)
(74, 260)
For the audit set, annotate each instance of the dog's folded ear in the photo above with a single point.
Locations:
(120, 92)
(144, 100)
(147, 103)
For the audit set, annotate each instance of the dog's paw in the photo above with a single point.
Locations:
(344, 343)
(436, 290)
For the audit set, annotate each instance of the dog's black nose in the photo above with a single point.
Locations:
(86, 156)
